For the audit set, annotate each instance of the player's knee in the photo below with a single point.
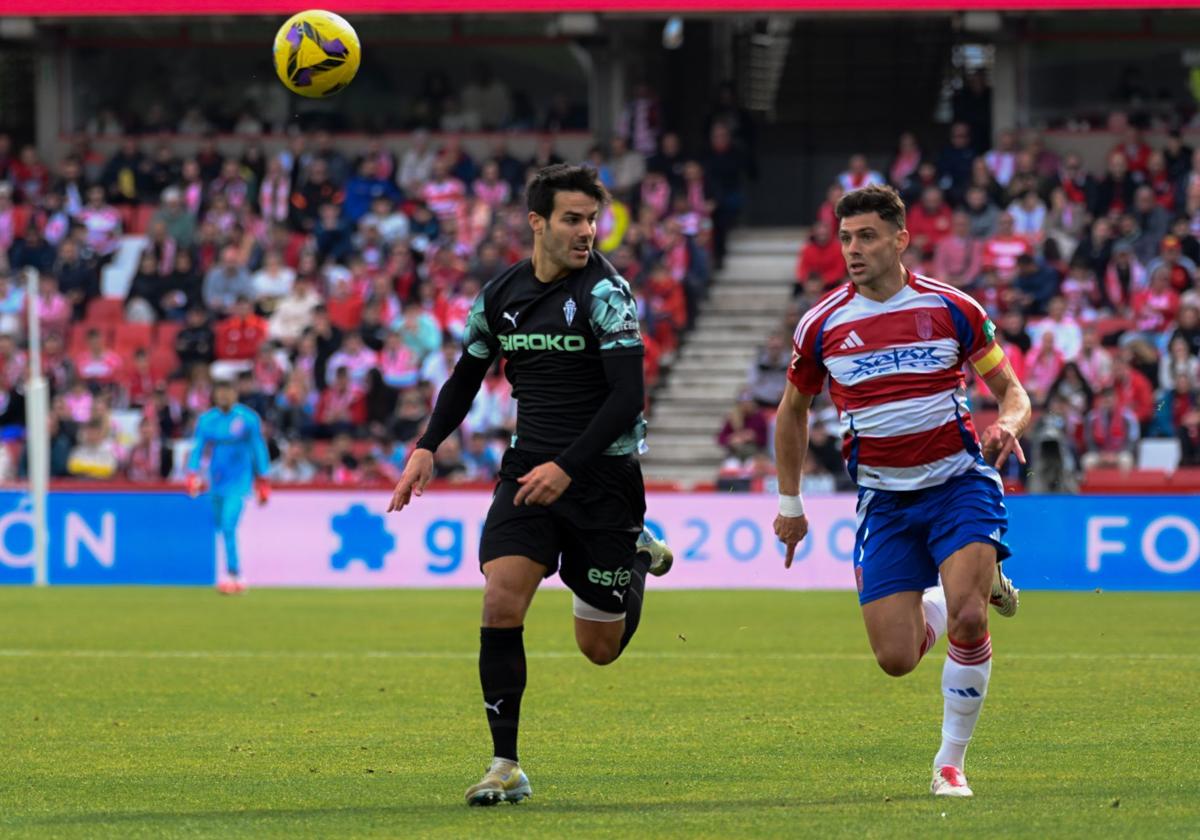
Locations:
(968, 623)
(897, 663)
(600, 651)
(502, 608)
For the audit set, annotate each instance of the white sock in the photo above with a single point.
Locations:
(964, 685)
(934, 604)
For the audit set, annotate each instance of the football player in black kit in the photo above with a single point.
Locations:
(570, 484)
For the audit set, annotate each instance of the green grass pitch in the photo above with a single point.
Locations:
(178, 713)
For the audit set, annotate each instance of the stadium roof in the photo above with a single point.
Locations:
(178, 8)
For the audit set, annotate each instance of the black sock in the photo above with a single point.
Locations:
(502, 676)
(634, 596)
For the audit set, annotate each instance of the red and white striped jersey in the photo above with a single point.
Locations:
(445, 198)
(896, 379)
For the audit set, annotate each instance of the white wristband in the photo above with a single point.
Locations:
(791, 506)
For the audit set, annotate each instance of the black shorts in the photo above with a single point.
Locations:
(594, 526)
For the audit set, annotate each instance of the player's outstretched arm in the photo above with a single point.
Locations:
(1002, 438)
(417, 473)
(791, 445)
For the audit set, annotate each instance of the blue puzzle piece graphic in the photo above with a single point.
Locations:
(364, 538)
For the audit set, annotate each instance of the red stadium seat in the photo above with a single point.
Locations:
(104, 311)
(20, 219)
(165, 332)
(142, 217)
(163, 362)
(130, 337)
(78, 337)
(128, 216)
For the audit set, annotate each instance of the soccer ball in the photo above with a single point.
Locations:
(316, 53)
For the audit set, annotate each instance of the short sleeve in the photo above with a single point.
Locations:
(614, 317)
(979, 336)
(478, 340)
(806, 371)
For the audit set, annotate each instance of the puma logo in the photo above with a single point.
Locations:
(512, 317)
(493, 707)
(619, 595)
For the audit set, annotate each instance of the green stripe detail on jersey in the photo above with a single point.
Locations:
(477, 337)
(614, 314)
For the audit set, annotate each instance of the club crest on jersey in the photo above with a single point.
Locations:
(236, 426)
(924, 326)
(569, 310)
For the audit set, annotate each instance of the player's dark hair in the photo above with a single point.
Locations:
(873, 199)
(562, 177)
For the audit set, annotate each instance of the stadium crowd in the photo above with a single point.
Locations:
(1090, 277)
(332, 287)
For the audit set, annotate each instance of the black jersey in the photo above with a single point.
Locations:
(552, 337)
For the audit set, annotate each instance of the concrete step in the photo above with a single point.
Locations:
(698, 439)
(733, 339)
(734, 297)
(690, 380)
(669, 450)
(713, 402)
(739, 321)
(685, 475)
(725, 363)
(767, 266)
(693, 424)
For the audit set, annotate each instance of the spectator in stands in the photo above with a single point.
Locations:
(272, 282)
(1152, 223)
(293, 466)
(1180, 269)
(821, 256)
(237, 337)
(53, 310)
(1184, 403)
(1178, 361)
(146, 460)
(1189, 324)
(768, 375)
(355, 358)
(1043, 364)
(480, 458)
(1154, 308)
(983, 214)
(1035, 284)
(954, 162)
(1111, 432)
(1029, 216)
(1002, 249)
(859, 174)
(31, 251)
(195, 343)
(1132, 389)
(98, 364)
(929, 222)
(181, 289)
(1068, 336)
(957, 258)
(95, 456)
(744, 434)
(339, 407)
(226, 282)
(906, 160)
(1114, 192)
(101, 223)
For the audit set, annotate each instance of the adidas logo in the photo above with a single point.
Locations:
(852, 341)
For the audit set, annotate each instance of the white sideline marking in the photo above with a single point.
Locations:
(32, 653)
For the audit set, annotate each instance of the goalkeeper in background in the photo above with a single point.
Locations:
(237, 462)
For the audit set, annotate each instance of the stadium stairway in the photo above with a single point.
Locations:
(747, 300)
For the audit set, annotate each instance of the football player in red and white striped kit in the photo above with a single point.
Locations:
(930, 502)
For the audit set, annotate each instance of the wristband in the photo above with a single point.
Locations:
(791, 506)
